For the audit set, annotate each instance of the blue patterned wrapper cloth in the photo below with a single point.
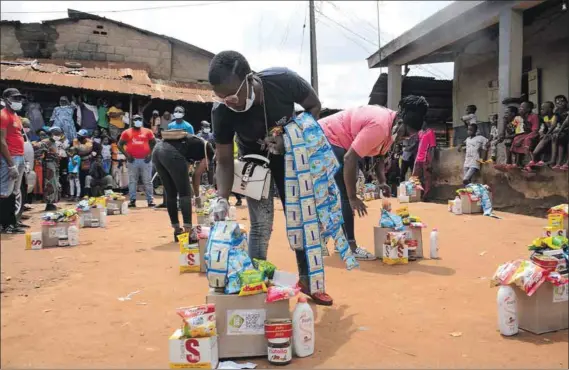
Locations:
(312, 199)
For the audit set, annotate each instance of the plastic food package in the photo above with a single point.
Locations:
(551, 242)
(561, 209)
(198, 321)
(548, 263)
(252, 282)
(395, 249)
(556, 278)
(390, 221)
(267, 268)
(505, 272)
(529, 277)
(278, 293)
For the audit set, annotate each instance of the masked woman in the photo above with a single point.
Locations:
(62, 117)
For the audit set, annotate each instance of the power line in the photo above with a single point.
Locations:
(347, 37)
(124, 10)
(345, 28)
(439, 74)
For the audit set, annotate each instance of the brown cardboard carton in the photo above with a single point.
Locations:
(468, 206)
(545, 311)
(51, 233)
(240, 322)
(411, 198)
(379, 237)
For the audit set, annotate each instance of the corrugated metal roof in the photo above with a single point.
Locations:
(118, 80)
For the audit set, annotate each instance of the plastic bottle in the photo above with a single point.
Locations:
(232, 214)
(434, 247)
(303, 329)
(507, 311)
(457, 206)
(103, 218)
(124, 208)
(73, 235)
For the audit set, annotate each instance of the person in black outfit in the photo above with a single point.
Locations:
(249, 105)
(408, 156)
(171, 158)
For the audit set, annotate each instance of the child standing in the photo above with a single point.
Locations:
(73, 174)
(106, 154)
(470, 117)
(424, 161)
(475, 147)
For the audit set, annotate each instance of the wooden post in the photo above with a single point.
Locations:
(130, 112)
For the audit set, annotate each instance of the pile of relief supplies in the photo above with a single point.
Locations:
(548, 260)
(403, 225)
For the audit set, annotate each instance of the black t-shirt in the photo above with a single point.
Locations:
(192, 148)
(282, 88)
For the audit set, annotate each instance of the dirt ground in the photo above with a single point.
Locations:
(60, 306)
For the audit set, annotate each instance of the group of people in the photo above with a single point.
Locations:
(528, 138)
(71, 157)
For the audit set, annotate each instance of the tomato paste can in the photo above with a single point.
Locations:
(279, 338)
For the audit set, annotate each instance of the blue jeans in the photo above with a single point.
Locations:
(139, 169)
(9, 186)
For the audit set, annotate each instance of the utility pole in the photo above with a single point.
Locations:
(313, 56)
(378, 35)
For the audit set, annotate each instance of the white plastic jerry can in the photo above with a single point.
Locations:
(507, 311)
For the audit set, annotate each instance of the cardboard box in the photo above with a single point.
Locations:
(95, 217)
(193, 353)
(52, 233)
(202, 244)
(553, 231)
(470, 206)
(241, 322)
(117, 207)
(558, 221)
(545, 311)
(408, 198)
(412, 234)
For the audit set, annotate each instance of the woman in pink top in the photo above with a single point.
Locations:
(367, 131)
(423, 167)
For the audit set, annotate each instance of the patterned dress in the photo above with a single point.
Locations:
(62, 117)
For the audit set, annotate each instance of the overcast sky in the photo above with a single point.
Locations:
(270, 33)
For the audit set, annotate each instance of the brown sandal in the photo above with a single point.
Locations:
(320, 298)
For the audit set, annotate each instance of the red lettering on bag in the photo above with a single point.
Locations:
(191, 259)
(192, 346)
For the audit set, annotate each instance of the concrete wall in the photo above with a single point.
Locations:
(189, 66)
(512, 191)
(101, 40)
(545, 40)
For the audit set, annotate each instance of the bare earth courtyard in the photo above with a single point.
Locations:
(60, 306)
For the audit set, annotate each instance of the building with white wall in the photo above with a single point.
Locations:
(500, 49)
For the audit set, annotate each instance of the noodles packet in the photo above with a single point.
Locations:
(198, 321)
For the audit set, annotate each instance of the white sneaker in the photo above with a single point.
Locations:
(362, 255)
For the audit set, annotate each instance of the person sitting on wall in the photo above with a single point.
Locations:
(475, 147)
(524, 143)
(548, 121)
(511, 122)
(560, 136)
(179, 123)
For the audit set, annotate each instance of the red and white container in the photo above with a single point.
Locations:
(279, 341)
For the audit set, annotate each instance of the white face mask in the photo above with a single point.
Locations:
(206, 130)
(57, 138)
(178, 115)
(138, 123)
(249, 101)
(15, 105)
